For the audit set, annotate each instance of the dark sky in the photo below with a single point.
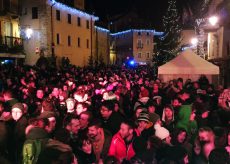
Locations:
(146, 9)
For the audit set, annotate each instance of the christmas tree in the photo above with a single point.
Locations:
(168, 45)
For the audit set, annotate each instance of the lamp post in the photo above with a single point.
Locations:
(201, 24)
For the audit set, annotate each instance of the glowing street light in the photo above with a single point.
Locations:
(29, 32)
(213, 20)
(194, 41)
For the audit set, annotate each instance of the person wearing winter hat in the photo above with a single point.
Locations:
(142, 122)
(18, 136)
(162, 133)
(144, 126)
(17, 111)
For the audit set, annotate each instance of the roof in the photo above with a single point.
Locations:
(187, 62)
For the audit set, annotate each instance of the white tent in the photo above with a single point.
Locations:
(188, 65)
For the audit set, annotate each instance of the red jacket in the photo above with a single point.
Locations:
(119, 149)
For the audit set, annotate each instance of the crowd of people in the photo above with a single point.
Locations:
(110, 115)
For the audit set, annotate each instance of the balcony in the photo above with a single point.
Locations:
(11, 45)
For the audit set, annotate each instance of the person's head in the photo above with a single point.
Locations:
(94, 130)
(106, 109)
(17, 111)
(152, 107)
(7, 95)
(176, 102)
(40, 93)
(72, 124)
(70, 104)
(138, 110)
(55, 92)
(143, 120)
(144, 93)
(206, 135)
(126, 130)
(184, 95)
(155, 86)
(168, 113)
(162, 133)
(52, 124)
(81, 107)
(179, 136)
(85, 144)
(47, 105)
(84, 118)
(219, 155)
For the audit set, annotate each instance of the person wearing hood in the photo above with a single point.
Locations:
(168, 118)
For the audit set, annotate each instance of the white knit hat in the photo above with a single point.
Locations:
(161, 132)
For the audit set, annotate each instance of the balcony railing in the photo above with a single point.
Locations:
(10, 44)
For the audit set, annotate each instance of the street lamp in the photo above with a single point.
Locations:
(213, 20)
(194, 42)
(29, 33)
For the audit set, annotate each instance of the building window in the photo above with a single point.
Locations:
(69, 18)
(87, 43)
(147, 33)
(69, 40)
(139, 33)
(147, 41)
(58, 15)
(139, 43)
(78, 42)
(139, 55)
(79, 21)
(34, 13)
(148, 55)
(58, 38)
(24, 11)
(87, 24)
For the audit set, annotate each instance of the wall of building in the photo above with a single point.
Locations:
(143, 46)
(47, 29)
(123, 43)
(78, 55)
(41, 37)
(102, 45)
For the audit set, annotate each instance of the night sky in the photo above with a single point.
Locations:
(148, 10)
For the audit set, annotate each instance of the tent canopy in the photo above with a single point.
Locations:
(188, 63)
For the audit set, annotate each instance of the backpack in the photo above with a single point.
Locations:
(31, 150)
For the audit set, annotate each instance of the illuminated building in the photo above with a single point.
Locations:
(59, 30)
(137, 44)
